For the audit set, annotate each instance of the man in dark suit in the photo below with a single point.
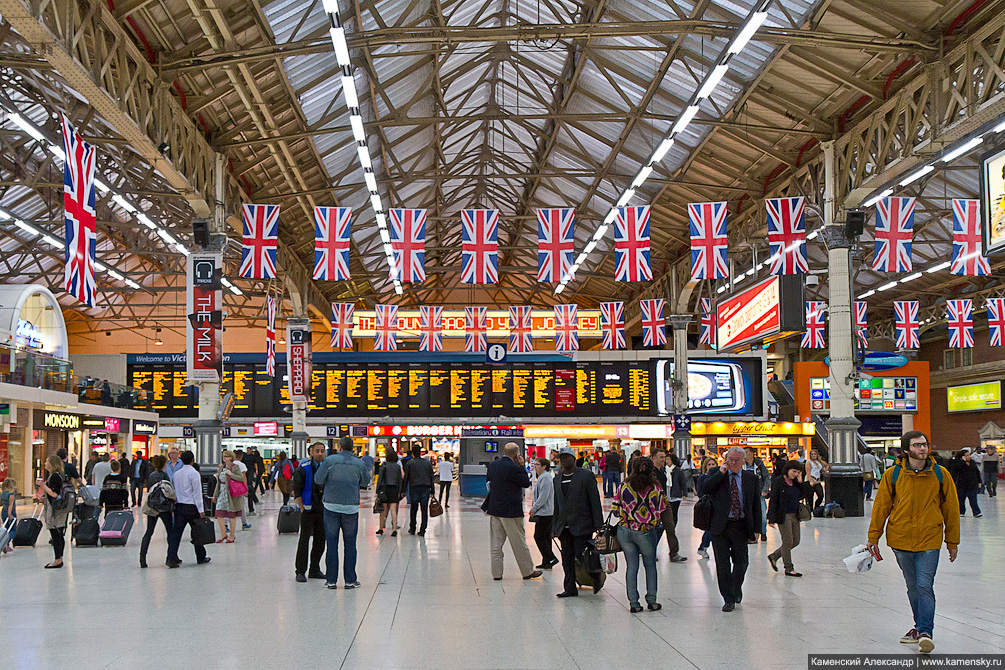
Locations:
(577, 516)
(736, 519)
(504, 504)
(138, 470)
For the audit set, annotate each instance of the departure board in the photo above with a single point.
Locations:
(460, 387)
(612, 388)
(439, 389)
(397, 387)
(565, 389)
(376, 387)
(586, 388)
(335, 396)
(481, 388)
(523, 386)
(242, 385)
(544, 389)
(418, 387)
(502, 395)
(264, 394)
(355, 390)
(163, 389)
(638, 387)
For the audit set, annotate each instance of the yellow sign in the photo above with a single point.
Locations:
(752, 428)
(583, 432)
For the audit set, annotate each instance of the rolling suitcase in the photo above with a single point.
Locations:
(85, 532)
(115, 530)
(27, 530)
(84, 511)
(289, 519)
(7, 531)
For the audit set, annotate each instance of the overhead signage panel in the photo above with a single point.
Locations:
(993, 200)
(768, 311)
(543, 323)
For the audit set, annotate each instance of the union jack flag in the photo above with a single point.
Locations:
(479, 246)
(566, 328)
(408, 244)
(960, 316)
(708, 239)
(475, 325)
(894, 231)
(258, 247)
(654, 330)
(555, 241)
(996, 320)
(787, 235)
(967, 257)
(342, 325)
(331, 243)
(612, 325)
(906, 322)
(81, 228)
(707, 335)
(813, 337)
(430, 329)
(385, 337)
(631, 244)
(270, 336)
(520, 330)
(861, 323)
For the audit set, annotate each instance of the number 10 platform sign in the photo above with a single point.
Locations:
(204, 302)
(298, 334)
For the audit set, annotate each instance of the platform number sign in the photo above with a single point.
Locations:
(495, 354)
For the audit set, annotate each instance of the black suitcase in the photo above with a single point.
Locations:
(289, 519)
(204, 531)
(84, 512)
(85, 533)
(27, 530)
(115, 531)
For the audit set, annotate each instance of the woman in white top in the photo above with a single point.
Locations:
(815, 469)
(542, 511)
(445, 470)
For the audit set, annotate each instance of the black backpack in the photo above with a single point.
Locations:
(67, 496)
(702, 517)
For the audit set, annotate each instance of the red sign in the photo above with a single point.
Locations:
(205, 298)
(765, 312)
(112, 425)
(299, 356)
(4, 458)
(497, 323)
(266, 428)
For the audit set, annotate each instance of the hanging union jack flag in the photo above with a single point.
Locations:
(996, 320)
(331, 243)
(270, 336)
(430, 329)
(566, 328)
(81, 228)
(861, 323)
(707, 334)
(520, 330)
(612, 325)
(894, 231)
(787, 235)
(479, 246)
(967, 257)
(555, 241)
(813, 337)
(385, 337)
(408, 244)
(654, 330)
(906, 322)
(258, 246)
(960, 317)
(631, 244)
(342, 325)
(708, 239)
(475, 325)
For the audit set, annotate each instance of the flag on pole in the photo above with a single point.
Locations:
(861, 323)
(631, 244)
(408, 244)
(270, 336)
(258, 246)
(385, 337)
(566, 328)
(430, 328)
(612, 325)
(520, 330)
(894, 232)
(708, 240)
(960, 318)
(342, 313)
(475, 325)
(967, 245)
(555, 241)
(907, 324)
(654, 330)
(81, 228)
(787, 235)
(480, 246)
(707, 334)
(331, 243)
(813, 337)
(996, 320)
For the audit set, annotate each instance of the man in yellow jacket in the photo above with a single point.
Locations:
(917, 504)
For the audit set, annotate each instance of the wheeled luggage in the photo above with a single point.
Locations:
(115, 530)
(85, 532)
(27, 530)
(289, 519)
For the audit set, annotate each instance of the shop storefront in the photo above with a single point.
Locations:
(54, 430)
(590, 441)
(768, 438)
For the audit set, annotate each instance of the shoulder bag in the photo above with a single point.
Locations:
(607, 537)
(236, 488)
(435, 508)
(702, 514)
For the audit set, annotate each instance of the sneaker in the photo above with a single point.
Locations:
(978, 516)
(703, 553)
(247, 526)
(331, 585)
(353, 585)
(925, 644)
(677, 559)
(910, 637)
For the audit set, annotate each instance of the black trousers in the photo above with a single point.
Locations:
(312, 528)
(184, 514)
(167, 518)
(444, 486)
(991, 482)
(419, 496)
(136, 486)
(817, 491)
(572, 546)
(58, 538)
(731, 559)
(542, 538)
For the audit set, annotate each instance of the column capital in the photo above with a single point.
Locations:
(679, 321)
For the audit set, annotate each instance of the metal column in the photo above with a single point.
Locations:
(681, 438)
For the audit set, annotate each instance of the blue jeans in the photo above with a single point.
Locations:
(611, 482)
(638, 544)
(919, 572)
(764, 516)
(706, 539)
(347, 524)
(972, 497)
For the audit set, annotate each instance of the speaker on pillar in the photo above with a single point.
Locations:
(200, 232)
(854, 224)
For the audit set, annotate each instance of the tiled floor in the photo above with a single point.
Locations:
(431, 603)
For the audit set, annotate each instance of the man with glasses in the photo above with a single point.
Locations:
(916, 504)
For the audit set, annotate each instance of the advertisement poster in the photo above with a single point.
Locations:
(993, 201)
(204, 303)
(4, 457)
(298, 335)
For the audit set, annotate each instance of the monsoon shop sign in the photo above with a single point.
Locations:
(974, 397)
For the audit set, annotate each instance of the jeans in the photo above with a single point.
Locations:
(867, 487)
(419, 500)
(972, 497)
(347, 524)
(919, 572)
(184, 514)
(764, 517)
(706, 539)
(136, 487)
(611, 482)
(445, 486)
(167, 518)
(312, 528)
(639, 544)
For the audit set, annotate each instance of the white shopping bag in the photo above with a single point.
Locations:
(860, 560)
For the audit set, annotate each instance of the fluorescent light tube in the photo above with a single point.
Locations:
(642, 176)
(371, 181)
(685, 118)
(748, 32)
(960, 150)
(340, 45)
(662, 150)
(356, 121)
(349, 89)
(27, 127)
(872, 201)
(917, 175)
(364, 156)
(718, 72)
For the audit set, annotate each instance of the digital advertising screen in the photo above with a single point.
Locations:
(721, 386)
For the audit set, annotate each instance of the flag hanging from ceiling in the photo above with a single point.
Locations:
(813, 337)
(631, 244)
(81, 229)
(520, 330)
(270, 336)
(996, 320)
(566, 328)
(331, 243)
(385, 337)
(894, 231)
(430, 329)
(707, 333)
(861, 323)
(906, 322)
(708, 240)
(479, 246)
(258, 246)
(408, 244)
(787, 235)
(960, 318)
(654, 331)
(342, 325)
(475, 325)
(612, 325)
(967, 245)
(555, 241)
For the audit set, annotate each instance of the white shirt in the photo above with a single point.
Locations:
(977, 458)
(101, 470)
(188, 487)
(446, 471)
(241, 466)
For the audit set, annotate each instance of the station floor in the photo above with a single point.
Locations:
(431, 603)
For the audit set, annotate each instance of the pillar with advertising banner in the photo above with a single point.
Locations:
(204, 349)
(299, 368)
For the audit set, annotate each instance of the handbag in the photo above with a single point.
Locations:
(609, 563)
(236, 488)
(868, 476)
(203, 531)
(378, 506)
(435, 508)
(804, 513)
(702, 514)
(607, 537)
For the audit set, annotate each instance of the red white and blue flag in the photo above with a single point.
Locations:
(331, 243)
(787, 235)
(960, 318)
(708, 240)
(654, 330)
(81, 228)
(270, 336)
(430, 329)
(906, 323)
(707, 333)
(342, 313)
(631, 244)
(521, 338)
(258, 246)
(861, 323)
(475, 327)
(566, 328)
(385, 337)
(894, 232)
(612, 325)
(480, 246)
(408, 244)
(813, 337)
(996, 320)
(555, 241)
(967, 246)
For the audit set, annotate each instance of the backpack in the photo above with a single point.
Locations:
(938, 475)
(67, 496)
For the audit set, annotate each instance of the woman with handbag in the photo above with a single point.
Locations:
(228, 499)
(639, 503)
(542, 511)
(153, 515)
(785, 507)
(389, 490)
(55, 515)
